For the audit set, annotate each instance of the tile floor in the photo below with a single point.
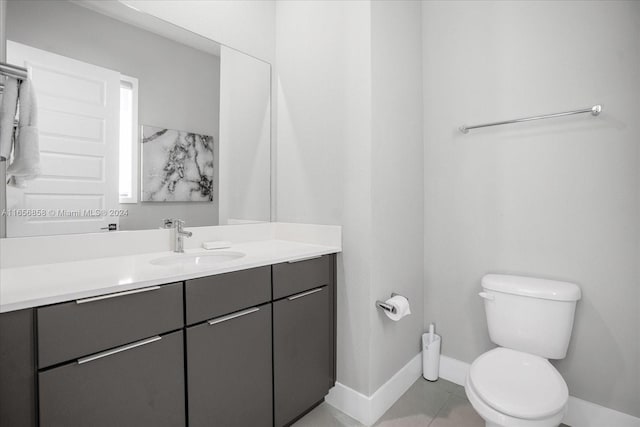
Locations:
(437, 404)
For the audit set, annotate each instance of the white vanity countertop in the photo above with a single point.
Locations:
(42, 284)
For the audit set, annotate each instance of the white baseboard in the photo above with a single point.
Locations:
(453, 370)
(586, 414)
(580, 413)
(368, 409)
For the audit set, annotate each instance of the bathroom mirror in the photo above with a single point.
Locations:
(139, 120)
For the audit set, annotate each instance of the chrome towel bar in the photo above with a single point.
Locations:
(14, 71)
(9, 70)
(595, 110)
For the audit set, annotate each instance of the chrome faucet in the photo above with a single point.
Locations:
(179, 233)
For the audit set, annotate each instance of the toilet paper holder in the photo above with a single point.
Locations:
(386, 307)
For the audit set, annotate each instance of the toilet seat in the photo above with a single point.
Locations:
(518, 384)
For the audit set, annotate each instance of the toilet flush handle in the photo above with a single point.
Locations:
(486, 296)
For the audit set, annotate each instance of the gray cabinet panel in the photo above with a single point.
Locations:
(142, 386)
(291, 278)
(71, 330)
(213, 296)
(229, 371)
(17, 369)
(303, 358)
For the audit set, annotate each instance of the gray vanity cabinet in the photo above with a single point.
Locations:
(303, 340)
(229, 370)
(252, 348)
(138, 386)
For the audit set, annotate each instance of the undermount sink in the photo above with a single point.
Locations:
(198, 259)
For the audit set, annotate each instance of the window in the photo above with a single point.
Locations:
(128, 165)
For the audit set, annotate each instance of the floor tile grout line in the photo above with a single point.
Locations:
(441, 407)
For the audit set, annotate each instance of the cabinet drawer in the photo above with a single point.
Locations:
(293, 277)
(78, 328)
(229, 370)
(133, 387)
(214, 296)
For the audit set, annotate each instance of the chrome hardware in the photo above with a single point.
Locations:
(233, 316)
(118, 350)
(119, 294)
(387, 307)
(595, 111)
(304, 294)
(10, 70)
(304, 259)
(179, 233)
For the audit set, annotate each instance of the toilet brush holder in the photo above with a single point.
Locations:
(430, 356)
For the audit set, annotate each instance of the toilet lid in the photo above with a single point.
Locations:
(518, 384)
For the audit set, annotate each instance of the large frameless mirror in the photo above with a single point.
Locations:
(137, 120)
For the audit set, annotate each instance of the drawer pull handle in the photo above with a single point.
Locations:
(304, 294)
(119, 294)
(233, 316)
(304, 259)
(118, 350)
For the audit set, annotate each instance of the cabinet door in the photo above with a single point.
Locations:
(302, 352)
(229, 370)
(141, 384)
(17, 369)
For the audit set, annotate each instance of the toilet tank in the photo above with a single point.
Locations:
(530, 315)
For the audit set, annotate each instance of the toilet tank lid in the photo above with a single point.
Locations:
(532, 287)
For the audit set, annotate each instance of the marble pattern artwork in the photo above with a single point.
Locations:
(177, 166)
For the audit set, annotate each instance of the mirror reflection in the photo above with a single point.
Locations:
(138, 120)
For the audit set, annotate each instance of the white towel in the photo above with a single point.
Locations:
(8, 109)
(26, 149)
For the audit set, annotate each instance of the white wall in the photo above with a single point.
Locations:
(397, 200)
(324, 150)
(245, 25)
(556, 198)
(350, 153)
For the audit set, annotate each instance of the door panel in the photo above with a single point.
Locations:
(78, 122)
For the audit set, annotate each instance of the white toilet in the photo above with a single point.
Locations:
(531, 320)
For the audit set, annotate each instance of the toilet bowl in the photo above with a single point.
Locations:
(531, 320)
(509, 388)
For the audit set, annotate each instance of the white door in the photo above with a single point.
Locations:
(78, 120)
